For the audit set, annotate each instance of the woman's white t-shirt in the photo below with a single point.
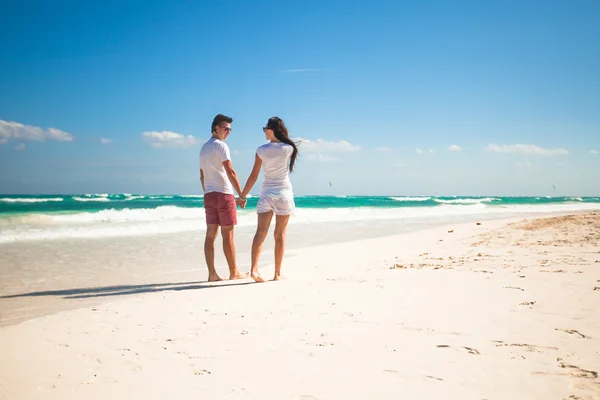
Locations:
(276, 195)
(275, 158)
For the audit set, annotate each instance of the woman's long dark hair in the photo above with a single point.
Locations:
(282, 134)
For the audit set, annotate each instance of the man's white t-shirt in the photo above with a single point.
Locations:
(212, 155)
(275, 157)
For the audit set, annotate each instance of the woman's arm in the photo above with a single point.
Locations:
(253, 176)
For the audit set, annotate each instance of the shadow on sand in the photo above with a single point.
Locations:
(121, 290)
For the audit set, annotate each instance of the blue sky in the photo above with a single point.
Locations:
(390, 97)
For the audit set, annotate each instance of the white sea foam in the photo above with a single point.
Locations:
(96, 195)
(467, 201)
(172, 219)
(163, 213)
(19, 200)
(199, 196)
(574, 199)
(410, 198)
(95, 199)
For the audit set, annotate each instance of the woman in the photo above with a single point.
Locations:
(276, 157)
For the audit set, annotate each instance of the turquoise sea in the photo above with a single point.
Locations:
(29, 217)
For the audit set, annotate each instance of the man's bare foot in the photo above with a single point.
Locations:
(214, 278)
(238, 275)
(278, 278)
(256, 276)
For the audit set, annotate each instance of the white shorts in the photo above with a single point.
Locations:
(281, 202)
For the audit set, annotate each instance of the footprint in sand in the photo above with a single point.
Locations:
(572, 332)
(470, 350)
(528, 347)
(202, 372)
(527, 303)
(578, 372)
(322, 344)
(44, 387)
(514, 287)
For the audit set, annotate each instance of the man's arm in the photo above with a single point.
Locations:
(202, 179)
(232, 176)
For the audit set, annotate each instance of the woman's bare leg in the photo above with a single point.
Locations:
(262, 229)
(281, 222)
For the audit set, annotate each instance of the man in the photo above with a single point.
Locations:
(218, 181)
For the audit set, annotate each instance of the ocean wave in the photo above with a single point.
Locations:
(173, 219)
(410, 198)
(467, 200)
(162, 213)
(96, 199)
(96, 195)
(22, 200)
(574, 199)
(193, 196)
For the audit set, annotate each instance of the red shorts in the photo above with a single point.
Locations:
(220, 209)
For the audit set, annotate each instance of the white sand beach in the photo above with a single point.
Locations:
(503, 309)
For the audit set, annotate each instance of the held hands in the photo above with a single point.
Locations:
(241, 201)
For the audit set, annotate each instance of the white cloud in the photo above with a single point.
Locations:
(321, 146)
(454, 147)
(105, 141)
(524, 164)
(529, 149)
(384, 149)
(20, 146)
(421, 151)
(168, 139)
(15, 130)
(593, 151)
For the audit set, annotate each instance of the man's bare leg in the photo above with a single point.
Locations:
(262, 229)
(281, 222)
(209, 252)
(229, 250)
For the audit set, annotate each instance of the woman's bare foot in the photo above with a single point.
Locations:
(278, 278)
(238, 275)
(214, 278)
(256, 276)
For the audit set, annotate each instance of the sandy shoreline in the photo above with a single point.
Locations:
(494, 311)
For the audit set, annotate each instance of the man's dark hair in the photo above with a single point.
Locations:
(218, 120)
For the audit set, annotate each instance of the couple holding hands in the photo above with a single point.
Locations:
(219, 179)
